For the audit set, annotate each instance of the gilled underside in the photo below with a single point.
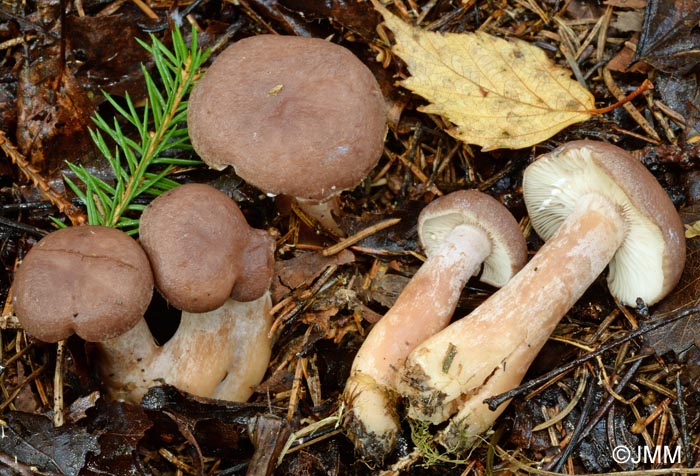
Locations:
(553, 187)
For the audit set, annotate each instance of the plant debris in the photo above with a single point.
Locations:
(670, 38)
(679, 336)
(33, 441)
(603, 381)
(499, 93)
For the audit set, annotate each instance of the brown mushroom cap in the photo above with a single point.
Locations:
(93, 281)
(292, 115)
(202, 250)
(649, 262)
(471, 207)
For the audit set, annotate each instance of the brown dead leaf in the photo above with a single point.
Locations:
(356, 16)
(53, 117)
(120, 428)
(670, 38)
(498, 93)
(33, 442)
(292, 273)
(622, 61)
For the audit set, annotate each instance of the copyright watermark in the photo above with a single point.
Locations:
(665, 455)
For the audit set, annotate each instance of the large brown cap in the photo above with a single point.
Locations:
(649, 262)
(93, 281)
(292, 115)
(471, 207)
(202, 250)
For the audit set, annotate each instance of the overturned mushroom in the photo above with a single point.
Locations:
(205, 258)
(459, 232)
(297, 116)
(597, 206)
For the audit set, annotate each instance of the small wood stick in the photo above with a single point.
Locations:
(146, 9)
(58, 384)
(61, 202)
(631, 110)
(361, 235)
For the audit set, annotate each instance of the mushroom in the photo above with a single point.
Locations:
(596, 206)
(202, 250)
(97, 282)
(93, 281)
(220, 354)
(297, 116)
(210, 263)
(459, 232)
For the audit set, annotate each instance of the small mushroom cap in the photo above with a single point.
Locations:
(93, 281)
(471, 207)
(257, 267)
(202, 250)
(292, 115)
(651, 258)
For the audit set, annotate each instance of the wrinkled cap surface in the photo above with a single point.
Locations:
(93, 281)
(202, 250)
(650, 260)
(471, 207)
(292, 115)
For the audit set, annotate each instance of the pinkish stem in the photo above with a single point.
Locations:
(424, 307)
(490, 350)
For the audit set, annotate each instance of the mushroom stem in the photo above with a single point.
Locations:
(490, 350)
(119, 355)
(424, 307)
(218, 354)
(248, 357)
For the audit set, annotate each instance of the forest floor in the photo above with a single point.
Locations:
(619, 383)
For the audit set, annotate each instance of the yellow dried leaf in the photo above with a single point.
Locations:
(497, 93)
(692, 230)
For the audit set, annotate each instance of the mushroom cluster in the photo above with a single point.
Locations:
(297, 116)
(459, 232)
(97, 282)
(208, 262)
(596, 206)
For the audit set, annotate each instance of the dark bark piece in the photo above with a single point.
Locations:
(33, 440)
(670, 38)
(679, 336)
(269, 434)
(359, 17)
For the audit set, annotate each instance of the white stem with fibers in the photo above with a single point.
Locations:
(218, 354)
